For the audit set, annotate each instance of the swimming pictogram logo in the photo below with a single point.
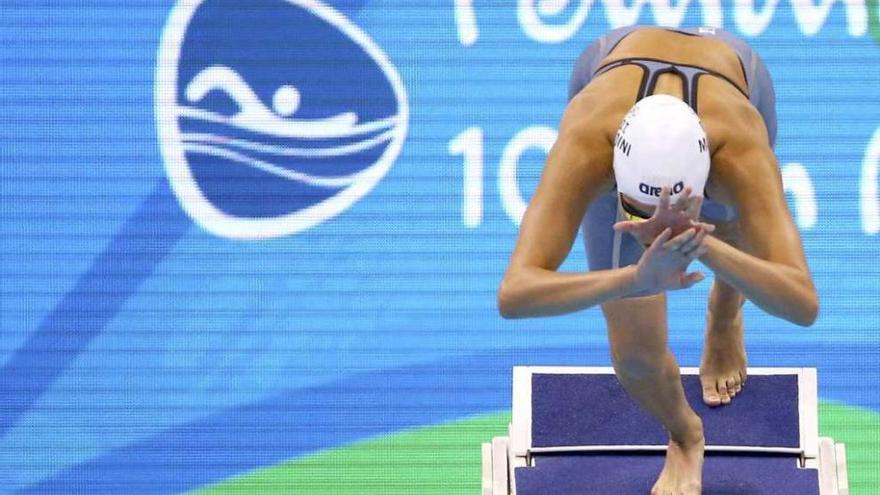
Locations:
(273, 115)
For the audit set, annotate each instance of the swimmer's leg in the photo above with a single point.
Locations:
(637, 332)
(723, 366)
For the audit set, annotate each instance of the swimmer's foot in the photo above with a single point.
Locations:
(683, 471)
(723, 367)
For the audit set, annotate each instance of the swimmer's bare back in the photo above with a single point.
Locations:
(768, 267)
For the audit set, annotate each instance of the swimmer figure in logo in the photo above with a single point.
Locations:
(665, 155)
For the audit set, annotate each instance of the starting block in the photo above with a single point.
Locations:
(574, 430)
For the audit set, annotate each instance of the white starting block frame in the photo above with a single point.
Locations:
(504, 455)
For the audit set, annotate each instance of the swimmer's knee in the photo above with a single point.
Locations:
(640, 365)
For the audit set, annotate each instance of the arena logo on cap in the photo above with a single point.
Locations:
(655, 191)
(273, 115)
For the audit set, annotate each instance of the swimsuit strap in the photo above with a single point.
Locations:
(653, 68)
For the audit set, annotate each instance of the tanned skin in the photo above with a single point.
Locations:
(758, 257)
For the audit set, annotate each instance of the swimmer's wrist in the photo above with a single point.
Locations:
(631, 275)
(711, 243)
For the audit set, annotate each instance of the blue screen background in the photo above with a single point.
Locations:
(130, 334)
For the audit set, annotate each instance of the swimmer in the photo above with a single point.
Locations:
(665, 155)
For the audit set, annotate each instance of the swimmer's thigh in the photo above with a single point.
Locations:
(637, 329)
(636, 325)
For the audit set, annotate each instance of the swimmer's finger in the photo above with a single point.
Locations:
(691, 279)
(664, 200)
(708, 227)
(624, 226)
(694, 205)
(661, 239)
(691, 253)
(682, 203)
(696, 253)
(679, 240)
(693, 243)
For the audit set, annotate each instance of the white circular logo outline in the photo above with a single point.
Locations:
(184, 185)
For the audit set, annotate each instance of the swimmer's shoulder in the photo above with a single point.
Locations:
(584, 146)
(727, 115)
(742, 157)
(598, 109)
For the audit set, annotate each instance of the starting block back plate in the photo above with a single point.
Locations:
(586, 409)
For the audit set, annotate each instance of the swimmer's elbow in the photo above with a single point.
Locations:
(810, 311)
(807, 307)
(508, 298)
(506, 304)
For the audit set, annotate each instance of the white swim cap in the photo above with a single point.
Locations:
(660, 142)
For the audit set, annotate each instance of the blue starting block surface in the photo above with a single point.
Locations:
(634, 474)
(595, 410)
(574, 430)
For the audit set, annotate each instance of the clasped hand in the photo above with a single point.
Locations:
(675, 238)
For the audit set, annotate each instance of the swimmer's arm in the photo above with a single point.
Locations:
(531, 291)
(773, 273)
(577, 171)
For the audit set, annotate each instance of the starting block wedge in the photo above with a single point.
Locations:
(574, 430)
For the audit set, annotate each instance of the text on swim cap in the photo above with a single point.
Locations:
(655, 191)
(702, 144)
(622, 144)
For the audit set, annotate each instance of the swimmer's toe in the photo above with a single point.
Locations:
(710, 393)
